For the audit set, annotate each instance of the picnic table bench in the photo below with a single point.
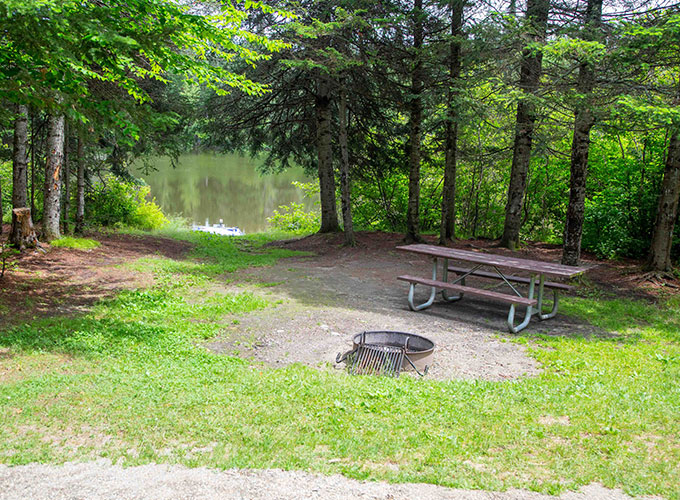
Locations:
(538, 271)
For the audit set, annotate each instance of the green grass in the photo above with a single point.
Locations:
(131, 381)
(77, 243)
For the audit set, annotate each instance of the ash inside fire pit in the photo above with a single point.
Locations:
(388, 353)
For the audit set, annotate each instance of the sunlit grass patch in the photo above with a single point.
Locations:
(73, 242)
(627, 318)
(215, 254)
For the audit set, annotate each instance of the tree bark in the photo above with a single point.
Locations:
(659, 258)
(53, 166)
(32, 162)
(80, 193)
(415, 127)
(580, 145)
(67, 181)
(20, 159)
(447, 228)
(329, 213)
(530, 75)
(22, 235)
(345, 180)
(0, 208)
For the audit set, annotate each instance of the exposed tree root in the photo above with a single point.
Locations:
(661, 278)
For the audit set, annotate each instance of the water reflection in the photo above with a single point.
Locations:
(228, 187)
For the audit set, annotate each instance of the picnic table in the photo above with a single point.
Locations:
(493, 266)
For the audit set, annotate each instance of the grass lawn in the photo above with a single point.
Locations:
(131, 382)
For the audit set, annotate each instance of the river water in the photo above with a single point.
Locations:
(229, 187)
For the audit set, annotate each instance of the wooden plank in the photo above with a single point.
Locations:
(518, 279)
(488, 259)
(489, 294)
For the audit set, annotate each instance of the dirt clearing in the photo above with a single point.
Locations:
(326, 298)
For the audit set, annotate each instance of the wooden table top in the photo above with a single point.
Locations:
(489, 259)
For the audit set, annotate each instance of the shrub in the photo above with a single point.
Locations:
(6, 183)
(293, 217)
(124, 204)
(148, 215)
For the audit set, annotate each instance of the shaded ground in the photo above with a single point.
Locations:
(65, 281)
(103, 481)
(621, 277)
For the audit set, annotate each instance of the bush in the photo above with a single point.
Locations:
(6, 184)
(618, 223)
(293, 217)
(117, 203)
(148, 215)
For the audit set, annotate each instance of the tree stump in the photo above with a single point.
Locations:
(22, 235)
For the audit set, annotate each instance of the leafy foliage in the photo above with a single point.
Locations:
(116, 203)
(294, 217)
(6, 183)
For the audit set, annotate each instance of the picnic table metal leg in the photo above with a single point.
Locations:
(445, 278)
(539, 306)
(433, 293)
(528, 314)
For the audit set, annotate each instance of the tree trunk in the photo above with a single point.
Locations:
(20, 159)
(530, 75)
(583, 122)
(0, 208)
(415, 126)
(80, 194)
(22, 234)
(32, 163)
(447, 229)
(53, 166)
(67, 182)
(345, 181)
(659, 258)
(329, 213)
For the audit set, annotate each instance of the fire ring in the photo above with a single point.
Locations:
(387, 352)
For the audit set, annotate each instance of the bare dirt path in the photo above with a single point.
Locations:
(102, 481)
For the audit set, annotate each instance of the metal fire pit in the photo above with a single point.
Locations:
(388, 353)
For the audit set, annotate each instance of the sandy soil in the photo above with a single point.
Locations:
(102, 481)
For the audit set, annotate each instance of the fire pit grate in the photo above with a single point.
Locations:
(388, 353)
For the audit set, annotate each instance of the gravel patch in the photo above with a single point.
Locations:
(101, 480)
(325, 299)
